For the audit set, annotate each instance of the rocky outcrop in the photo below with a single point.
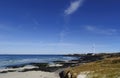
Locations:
(67, 74)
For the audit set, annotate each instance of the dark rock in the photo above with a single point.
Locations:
(65, 75)
(7, 71)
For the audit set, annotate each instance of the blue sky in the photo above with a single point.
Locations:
(59, 26)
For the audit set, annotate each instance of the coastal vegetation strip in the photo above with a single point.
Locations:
(106, 68)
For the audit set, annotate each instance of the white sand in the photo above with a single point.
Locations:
(29, 74)
(82, 76)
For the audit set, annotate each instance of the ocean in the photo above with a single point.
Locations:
(8, 60)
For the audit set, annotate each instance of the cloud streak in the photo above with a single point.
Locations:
(95, 29)
(64, 32)
(5, 28)
(73, 7)
(28, 44)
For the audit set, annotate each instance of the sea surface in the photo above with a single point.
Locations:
(8, 60)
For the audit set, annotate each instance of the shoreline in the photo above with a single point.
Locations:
(42, 70)
(27, 71)
(53, 70)
(29, 74)
(37, 70)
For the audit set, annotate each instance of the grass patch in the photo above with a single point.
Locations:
(106, 68)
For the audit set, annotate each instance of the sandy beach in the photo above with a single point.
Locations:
(29, 74)
(33, 74)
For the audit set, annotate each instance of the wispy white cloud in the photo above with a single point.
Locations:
(90, 28)
(36, 22)
(106, 31)
(40, 47)
(7, 43)
(63, 33)
(73, 7)
(5, 28)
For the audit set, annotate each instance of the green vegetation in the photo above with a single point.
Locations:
(106, 68)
